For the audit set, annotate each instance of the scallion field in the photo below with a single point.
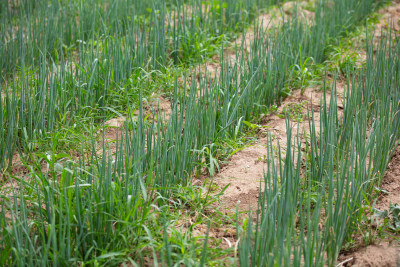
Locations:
(199, 133)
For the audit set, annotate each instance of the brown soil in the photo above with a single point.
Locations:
(384, 254)
(390, 18)
(244, 174)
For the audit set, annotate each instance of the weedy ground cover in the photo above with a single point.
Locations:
(70, 65)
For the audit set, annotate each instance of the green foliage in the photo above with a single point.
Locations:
(395, 212)
(118, 201)
(340, 177)
(296, 112)
(391, 217)
(343, 60)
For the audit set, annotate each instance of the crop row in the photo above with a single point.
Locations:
(100, 208)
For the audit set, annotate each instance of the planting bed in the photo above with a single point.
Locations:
(200, 133)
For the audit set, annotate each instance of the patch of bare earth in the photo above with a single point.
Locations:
(382, 255)
(390, 18)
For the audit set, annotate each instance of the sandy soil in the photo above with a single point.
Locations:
(383, 254)
(390, 18)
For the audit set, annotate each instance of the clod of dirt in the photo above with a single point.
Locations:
(115, 122)
(384, 254)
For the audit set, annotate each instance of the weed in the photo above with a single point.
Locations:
(304, 74)
(343, 60)
(295, 111)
